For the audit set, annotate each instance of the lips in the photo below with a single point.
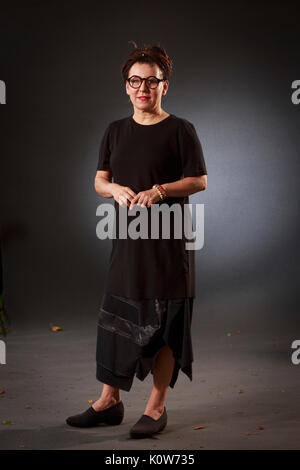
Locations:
(143, 98)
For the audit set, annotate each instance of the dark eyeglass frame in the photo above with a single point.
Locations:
(151, 76)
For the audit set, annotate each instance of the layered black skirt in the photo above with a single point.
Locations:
(131, 333)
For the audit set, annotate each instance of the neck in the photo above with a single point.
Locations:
(148, 117)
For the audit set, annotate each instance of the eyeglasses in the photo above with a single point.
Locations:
(152, 82)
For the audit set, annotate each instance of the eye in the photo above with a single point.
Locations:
(134, 80)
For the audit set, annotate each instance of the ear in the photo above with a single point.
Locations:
(165, 87)
(127, 87)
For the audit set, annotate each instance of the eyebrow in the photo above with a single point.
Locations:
(143, 77)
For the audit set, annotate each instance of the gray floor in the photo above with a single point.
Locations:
(240, 382)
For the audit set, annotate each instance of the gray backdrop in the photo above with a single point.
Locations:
(234, 63)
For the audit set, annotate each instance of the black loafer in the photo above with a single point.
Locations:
(112, 416)
(147, 426)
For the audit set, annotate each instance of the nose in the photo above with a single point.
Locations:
(144, 86)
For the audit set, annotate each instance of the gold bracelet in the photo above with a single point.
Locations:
(161, 191)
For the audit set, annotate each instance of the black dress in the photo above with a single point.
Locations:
(150, 284)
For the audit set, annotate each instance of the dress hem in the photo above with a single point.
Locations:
(123, 355)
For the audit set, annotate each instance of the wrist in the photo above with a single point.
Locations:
(160, 190)
(113, 187)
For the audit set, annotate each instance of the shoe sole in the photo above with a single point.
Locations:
(113, 421)
(143, 435)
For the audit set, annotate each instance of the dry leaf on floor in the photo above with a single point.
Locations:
(56, 328)
(199, 427)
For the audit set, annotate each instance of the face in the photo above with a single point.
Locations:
(154, 95)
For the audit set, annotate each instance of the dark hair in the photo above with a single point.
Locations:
(151, 55)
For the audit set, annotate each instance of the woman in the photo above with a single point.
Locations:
(145, 318)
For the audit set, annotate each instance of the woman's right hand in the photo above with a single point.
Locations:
(122, 194)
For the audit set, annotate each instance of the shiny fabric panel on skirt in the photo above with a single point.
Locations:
(131, 333)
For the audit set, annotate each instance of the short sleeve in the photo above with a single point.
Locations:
(193, 163)
(105, 151)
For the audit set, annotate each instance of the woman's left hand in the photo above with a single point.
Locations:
(145, 198)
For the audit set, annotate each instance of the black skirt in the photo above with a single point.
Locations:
(131, 333)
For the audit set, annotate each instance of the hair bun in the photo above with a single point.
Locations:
(155, 54)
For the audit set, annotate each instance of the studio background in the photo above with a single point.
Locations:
(234, 63)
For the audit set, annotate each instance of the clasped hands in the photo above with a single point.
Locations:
(125, 196)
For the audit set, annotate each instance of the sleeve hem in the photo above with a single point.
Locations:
(195, 173)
